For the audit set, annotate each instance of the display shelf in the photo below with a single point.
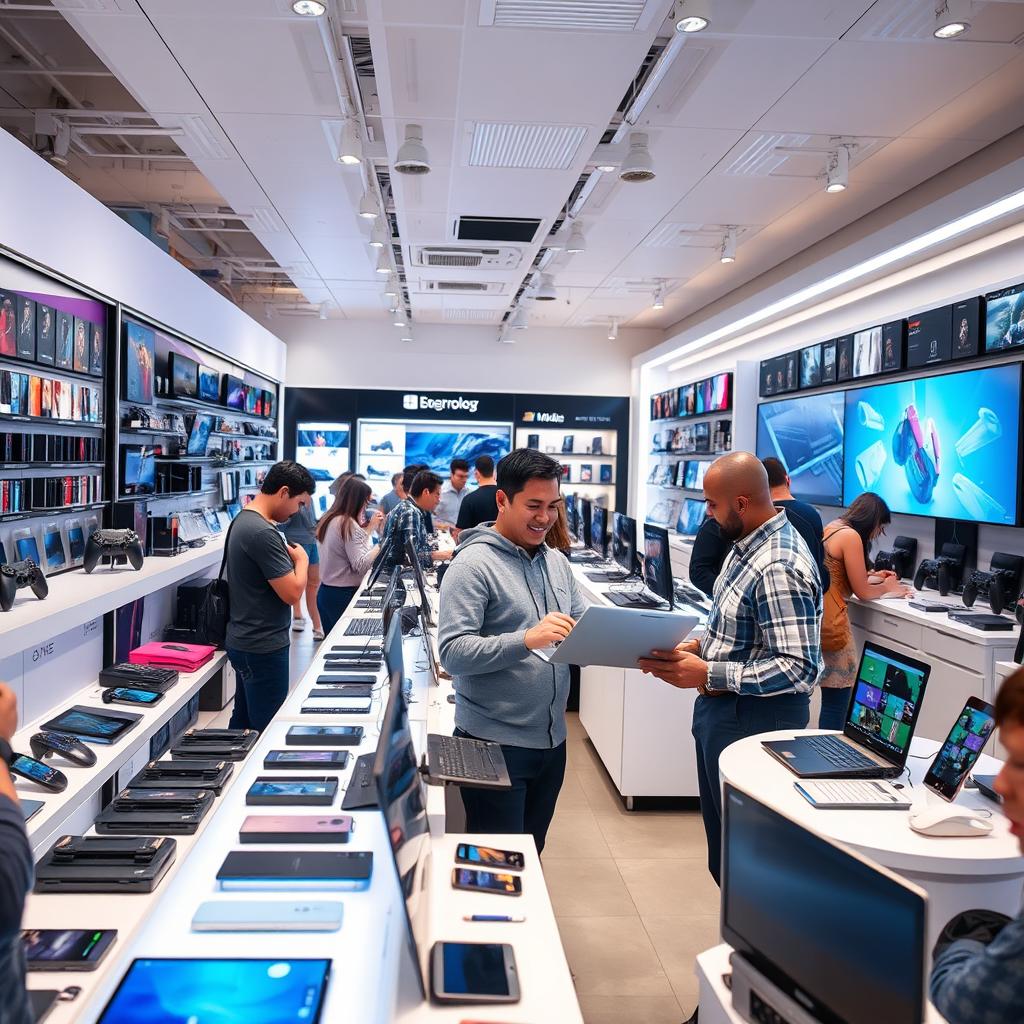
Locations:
(167, 494)
(265, 438)
(84, 783)
(191, 404)
(45, 513)
(148, 430)
(51, 465)
(50, 421)
(82, 596)
(183, 459)
(579, 455)
(46, 370)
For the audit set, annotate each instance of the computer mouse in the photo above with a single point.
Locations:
(948, 821)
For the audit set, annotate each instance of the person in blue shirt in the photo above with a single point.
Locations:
(978, 966)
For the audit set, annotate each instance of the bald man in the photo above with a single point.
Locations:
(759, 658)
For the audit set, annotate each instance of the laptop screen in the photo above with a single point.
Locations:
(886, 702)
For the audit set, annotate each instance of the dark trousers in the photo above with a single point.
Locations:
(262, 687)
(331, 603)
(720, 721)
(529, 805)
(835, 702)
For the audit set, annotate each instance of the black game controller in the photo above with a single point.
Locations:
(44, 744)
(115, 545)
(934, 572)
(900, 558)
(17, 575)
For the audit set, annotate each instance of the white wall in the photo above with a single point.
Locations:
(50, 220)
(351, 353)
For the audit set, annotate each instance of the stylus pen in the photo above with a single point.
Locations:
(494, 917)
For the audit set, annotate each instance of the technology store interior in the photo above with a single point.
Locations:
(511, 511)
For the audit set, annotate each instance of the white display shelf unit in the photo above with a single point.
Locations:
(550, 443)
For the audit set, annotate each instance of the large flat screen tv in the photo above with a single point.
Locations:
(945, 446)
(806, 435)
(184, 376)
(1004, 319)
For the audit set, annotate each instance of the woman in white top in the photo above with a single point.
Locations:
(346, 549)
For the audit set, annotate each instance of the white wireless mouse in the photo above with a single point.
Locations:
(948, 821)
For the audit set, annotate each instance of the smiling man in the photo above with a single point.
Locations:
(505, 595)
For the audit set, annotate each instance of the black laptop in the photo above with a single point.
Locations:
(880, 722)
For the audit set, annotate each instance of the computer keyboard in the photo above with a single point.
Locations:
(841, 754)
(361, 790)
(460, 758)
(365, 627)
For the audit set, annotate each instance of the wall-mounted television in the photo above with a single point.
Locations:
(892, 345)
(184, 374)
(138, 469)
(233, 393)
(867, 352)
(967, 328)
(828, 362)
(945, 446)
(929, 337)
(1004, 318)
(806, 435)
(810, 366)
(209, 384)
(844, 358)
(199, 435)
(721, 392)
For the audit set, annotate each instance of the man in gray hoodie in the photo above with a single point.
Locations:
(505, 595)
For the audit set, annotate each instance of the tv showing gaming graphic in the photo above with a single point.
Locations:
(944, 446)
(1004, 318)
(806, 436)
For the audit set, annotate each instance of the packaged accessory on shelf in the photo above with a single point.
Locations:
(185, 657)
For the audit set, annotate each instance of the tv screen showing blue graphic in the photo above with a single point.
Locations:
(437, 447)
(944, 446)
(1004, 319)
(225, 991)
(806, 436)
(691, 515)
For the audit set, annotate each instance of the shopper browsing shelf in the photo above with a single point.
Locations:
(506, 594)
(301, 530)
(978, 963)
(265, 576)
(847, 542)
(481, 506)
(346, 549)
(453, 492)
(759, 658)
(15, 875)
(408, 522)
(395, 495)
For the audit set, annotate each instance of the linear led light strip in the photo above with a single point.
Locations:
(984, 215)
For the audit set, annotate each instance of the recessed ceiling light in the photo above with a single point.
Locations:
(368, 207)
(952, 18)
(412, 156)
(383, 264)
(638, 165)
(350, 146)
(546, 289)
(837, 174)
(729, 246)
(309, 8)
(659, 298)
(693, 16)
(576, 243)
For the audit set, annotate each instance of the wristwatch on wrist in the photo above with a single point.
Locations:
(6, 752)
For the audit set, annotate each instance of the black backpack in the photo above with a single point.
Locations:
(215, 607)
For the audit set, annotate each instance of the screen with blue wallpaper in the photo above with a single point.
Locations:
(436, 446)
(944, 446)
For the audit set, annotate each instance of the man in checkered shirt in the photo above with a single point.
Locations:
(759, 659)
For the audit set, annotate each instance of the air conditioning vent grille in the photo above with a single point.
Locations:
(466, 257)
(452, 259)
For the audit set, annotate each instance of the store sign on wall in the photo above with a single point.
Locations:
(429, 403)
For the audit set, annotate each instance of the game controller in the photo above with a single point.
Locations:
(115, 545)
(943, 573)
(917, 454)
(900, 558)
(17, 575)
(44, 744)
(1001, 583)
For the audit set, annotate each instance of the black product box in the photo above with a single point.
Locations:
(132, 515)
(163, 535)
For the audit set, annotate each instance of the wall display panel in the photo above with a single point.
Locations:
(810, 366)
(790, 362)
(1004, 319)
(844, 358)
(967, 328)
(139, 362)
(209, 384)
(691, 515)
(828, 362)
(867, 352)
(325, 450)
(806, 435)
(945, 446)
(929, 337)
(892, 345)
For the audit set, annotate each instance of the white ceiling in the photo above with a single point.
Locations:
(769, 72)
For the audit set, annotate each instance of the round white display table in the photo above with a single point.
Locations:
(957, 873)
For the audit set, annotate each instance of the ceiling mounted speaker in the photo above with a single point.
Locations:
(546, 289)
(638, 165)
(412, 156)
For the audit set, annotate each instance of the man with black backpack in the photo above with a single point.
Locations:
(265, 577)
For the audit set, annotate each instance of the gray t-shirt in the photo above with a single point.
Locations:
(256, 553)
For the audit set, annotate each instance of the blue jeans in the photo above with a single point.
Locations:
(529, 805)
(720, 721)
(835, 702)
(262, 686)
(331, 602)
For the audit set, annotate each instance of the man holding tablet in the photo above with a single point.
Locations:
(760, 656)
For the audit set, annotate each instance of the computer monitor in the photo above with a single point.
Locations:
(421, 583)
(402, 802)
(658, 563)
(583, 521)
(570, 512)
(381, 560)
(598, 539)
(624, 542)
(842, 937)
(394, 659)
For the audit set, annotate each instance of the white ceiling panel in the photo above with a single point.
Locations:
(897, 20)
(424, 65)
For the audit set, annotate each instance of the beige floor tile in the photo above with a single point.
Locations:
(678, 941)
(670, 888)
(571, 797)
(631, 1010)
(575, 834)
(600, 791)
(592, 888)
(612, 956)
(581, 756)
(648, 834)
(573, 726)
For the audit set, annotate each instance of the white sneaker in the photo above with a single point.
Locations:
(298, 625)
(318, 634)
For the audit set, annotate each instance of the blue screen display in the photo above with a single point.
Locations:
(943, 446)
(225, 991)
(691, 515)
(436, 448)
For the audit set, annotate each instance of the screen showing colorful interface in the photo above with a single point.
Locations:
(963, 747)
(886, 701)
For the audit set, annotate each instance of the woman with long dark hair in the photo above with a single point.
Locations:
(847, 543)
(346, 549)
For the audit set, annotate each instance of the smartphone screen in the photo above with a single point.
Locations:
(474, 968)
(32, 769)
(326, 757)
(135, 696)
(72, 946)
(326, 730)
(962, 748)
(291, 789)
(487, 881)
(488, 857)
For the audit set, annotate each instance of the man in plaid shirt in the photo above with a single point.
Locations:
(407, 521)
(759, 658)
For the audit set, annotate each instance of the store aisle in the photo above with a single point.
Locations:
(632, 894)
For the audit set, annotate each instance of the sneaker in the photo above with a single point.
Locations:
(298, 625)
(318, 634)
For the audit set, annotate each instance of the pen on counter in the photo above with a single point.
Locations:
(494, 917)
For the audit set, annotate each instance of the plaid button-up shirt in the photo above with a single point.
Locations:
(407, 522)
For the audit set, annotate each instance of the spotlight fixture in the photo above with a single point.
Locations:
(546, 289)
(350, 146)
(613, 329)
(309, 8)
(606, 168)
(368, 207)
(519, 320)
(162, 227)
(61, 145)
(952, 18)
(729, 246)
(638, 165)
(407, 334)
(383, 264)
(693, 16)
(837, 174)
(323, 311)
(377, 238)
(391, 291)
(412, 155)
(576, 243)
(659, 297)
(399, 320)
(269, 312)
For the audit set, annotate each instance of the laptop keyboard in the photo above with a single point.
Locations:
(841, 754)
(851, 791)
(461, 758)
(365, 627)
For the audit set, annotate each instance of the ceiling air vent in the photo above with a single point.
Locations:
(465, 257)
(496, 229)
(594, 16)
(466, 287)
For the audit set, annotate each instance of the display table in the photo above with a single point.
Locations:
(957, 873)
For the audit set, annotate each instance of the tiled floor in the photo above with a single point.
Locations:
(631, 891)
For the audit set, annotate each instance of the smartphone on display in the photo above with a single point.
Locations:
(126, 695)
(324, 735)
(267, 916)
(473, 972)
(49, 778)
(306, 759)
(295, 828)
(474, 880)
(961, 749)
(488, 857)
(57, 949)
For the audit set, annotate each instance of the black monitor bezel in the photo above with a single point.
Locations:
(661, 533)
(618, 517)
